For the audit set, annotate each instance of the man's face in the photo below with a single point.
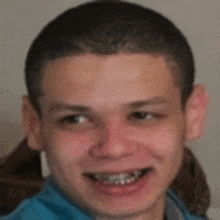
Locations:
(113, 130)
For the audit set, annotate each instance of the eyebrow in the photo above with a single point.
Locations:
(62, 106)
(59, 106)
(154, 101)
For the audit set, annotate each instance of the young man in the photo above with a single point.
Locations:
(111, 101)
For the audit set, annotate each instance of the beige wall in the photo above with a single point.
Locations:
(21, 20)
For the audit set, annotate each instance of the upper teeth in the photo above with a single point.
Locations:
(118, 178)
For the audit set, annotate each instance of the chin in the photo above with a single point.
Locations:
(126, 208)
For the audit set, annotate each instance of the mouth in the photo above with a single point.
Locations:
(119, 179)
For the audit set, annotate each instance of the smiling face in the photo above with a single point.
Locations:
(103, 116)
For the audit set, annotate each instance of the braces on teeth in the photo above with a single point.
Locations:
(118, 178)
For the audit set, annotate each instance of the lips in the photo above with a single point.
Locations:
(118, 179)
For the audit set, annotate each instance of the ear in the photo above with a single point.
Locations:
(196, 112)
(32, 124)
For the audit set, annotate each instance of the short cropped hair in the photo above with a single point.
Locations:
(109, 28)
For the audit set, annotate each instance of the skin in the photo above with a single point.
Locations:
(104, 135)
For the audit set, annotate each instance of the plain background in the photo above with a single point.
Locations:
(21, 21)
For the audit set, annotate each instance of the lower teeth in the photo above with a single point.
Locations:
(118, 182)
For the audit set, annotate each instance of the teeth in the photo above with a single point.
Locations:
(118, 179)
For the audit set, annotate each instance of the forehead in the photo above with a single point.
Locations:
(114, 78)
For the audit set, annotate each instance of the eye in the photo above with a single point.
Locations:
(144, 116)
(74, 119)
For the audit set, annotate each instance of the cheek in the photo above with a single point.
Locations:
(67, 146)
(164, 140)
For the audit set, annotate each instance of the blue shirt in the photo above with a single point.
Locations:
(52, 204)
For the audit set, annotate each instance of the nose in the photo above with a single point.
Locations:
(115, 142)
